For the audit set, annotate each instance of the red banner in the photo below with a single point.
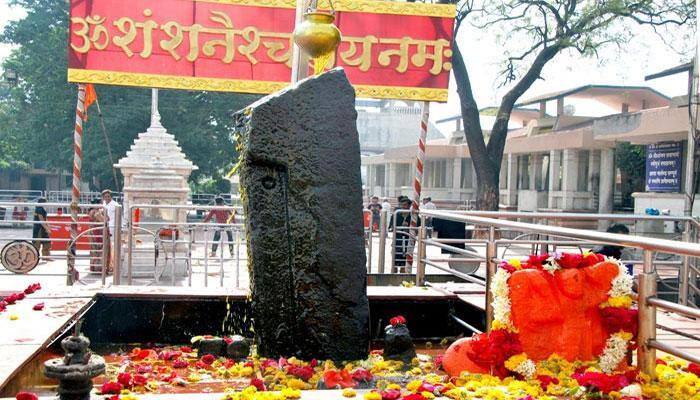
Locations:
(389, 49)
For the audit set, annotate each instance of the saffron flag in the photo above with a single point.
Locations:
(90, 97)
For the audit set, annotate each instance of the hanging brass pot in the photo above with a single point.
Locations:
(316, 35)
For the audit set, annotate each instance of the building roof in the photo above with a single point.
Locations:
(491, 112)
(610, 95)
(670, 71)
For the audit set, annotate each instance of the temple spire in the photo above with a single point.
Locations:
(155, 115)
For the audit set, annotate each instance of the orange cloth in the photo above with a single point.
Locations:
(90, 97)
(553, 314)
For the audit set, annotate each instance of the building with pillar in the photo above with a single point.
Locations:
(556, 161)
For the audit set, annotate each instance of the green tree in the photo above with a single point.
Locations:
(39, 112)
(537, 31)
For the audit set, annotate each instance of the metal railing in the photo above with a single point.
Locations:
(177, 248)
(648, 300)
(25, 248)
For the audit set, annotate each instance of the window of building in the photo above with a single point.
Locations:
(467, 174)
(558, 169)
(436, 173)
(524, 172)
(582, 180)
(403, 175)
(379, 175)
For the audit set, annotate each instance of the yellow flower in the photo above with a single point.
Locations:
(513, 362)
(413, 385)
(298, 384)
(349, 392)
(288, 393)
(393, 386)
(620, 301)
(14, 317)
(372, 396)
(194, 377)
(515, 262)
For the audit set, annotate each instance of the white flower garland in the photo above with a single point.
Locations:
(527, 369)
(615, 351)
(622, 284)
(501, 297)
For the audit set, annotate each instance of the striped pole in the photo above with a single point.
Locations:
(77, 172)
(418, 181)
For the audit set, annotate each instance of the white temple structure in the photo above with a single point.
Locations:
(156, 171)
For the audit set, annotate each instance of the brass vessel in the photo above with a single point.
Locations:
(317, 35)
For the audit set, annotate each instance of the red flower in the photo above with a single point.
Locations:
(313, 363)
(138, 354)
(125, 379)
(414, 396)
(20, 295)
(38, 307)
(115, 397)
(334, 379)
(180, 363)
(427, 387)
(617, 319)
(528, 397)
(536, 260)
(268, 363)
(303, 373)
(139, 380)
(437, 361)
(546, 380)
(660, 361)
(144, 369)
(390, 394)
(259, 384)
(694, 368)
(398, 320)
(26, 396)
(32, 288)
(591, 259)
(208, 359)
(186, 349)
(362, 375)
(111, 388)
(491, 350)
(507, 267)
(3, 305)
(11, 299)
(201, 365)
(228, 340)
(602, 382)
(570, 260)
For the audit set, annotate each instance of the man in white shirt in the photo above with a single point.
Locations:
(110, 207)
(428, 205)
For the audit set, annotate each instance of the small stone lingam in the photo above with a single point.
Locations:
(76, 369)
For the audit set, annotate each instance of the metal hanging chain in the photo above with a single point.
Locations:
(312, 5)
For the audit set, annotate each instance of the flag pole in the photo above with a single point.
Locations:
(418, 181)
(72, 276)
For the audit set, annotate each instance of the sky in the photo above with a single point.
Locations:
(643, 55)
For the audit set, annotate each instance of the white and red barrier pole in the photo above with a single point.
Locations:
(418, 181)
(77, 173)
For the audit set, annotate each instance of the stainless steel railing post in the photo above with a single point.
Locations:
(369, 244)
(683, 273)
(382, 242)
(490, 272)
(222, 242)
(206, 258)
(117, 256)
(238, 258)
(420, 265)
(646, 354)
(105, 251)
(192, 237)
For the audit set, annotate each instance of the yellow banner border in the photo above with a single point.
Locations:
(369, 6)
(240, 86)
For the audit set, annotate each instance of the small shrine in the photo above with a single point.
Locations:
(155, 172)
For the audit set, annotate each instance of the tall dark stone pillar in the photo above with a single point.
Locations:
(302, 195)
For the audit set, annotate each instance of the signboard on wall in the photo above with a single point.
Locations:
(389, 49)
(664, 166)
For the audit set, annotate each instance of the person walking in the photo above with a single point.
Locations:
(222, 217)
(401, 232)
(428, 205)
(40, 232)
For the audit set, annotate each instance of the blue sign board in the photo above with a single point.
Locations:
(663, 169)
